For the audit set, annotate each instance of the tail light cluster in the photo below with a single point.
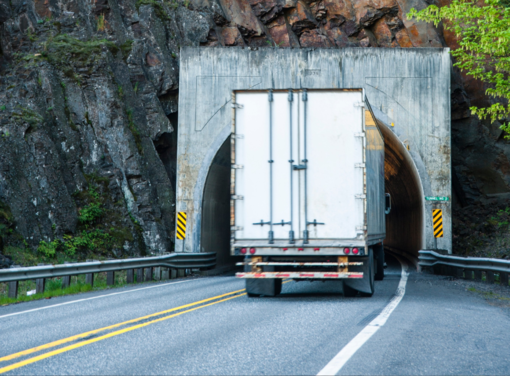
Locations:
(244, 251)
(355, 251)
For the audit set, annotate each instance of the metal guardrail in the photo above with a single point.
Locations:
(40, 273)
(466, 267)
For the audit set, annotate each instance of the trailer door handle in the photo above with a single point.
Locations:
(299, 167)
(282, 223)
(315, 223)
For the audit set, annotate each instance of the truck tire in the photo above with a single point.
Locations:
(371, 274)
(349, 292)
(379, 260)
(278, 286)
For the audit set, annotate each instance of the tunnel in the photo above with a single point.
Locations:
(215, 229)
(404, 224)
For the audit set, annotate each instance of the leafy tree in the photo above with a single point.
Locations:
(483, 33)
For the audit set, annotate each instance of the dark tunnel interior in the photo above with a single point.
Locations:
(403, 224)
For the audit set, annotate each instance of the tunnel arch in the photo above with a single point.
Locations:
(404, 224)
(215, 223)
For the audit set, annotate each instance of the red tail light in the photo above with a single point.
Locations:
(285, 249)
(252, 250)
(355, 251)
(243, 251)
(316, 249)
(300, 249)
(346, 251)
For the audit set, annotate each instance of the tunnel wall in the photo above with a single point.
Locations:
(408, 88)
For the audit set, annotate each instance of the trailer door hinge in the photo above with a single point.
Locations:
(360, 134)
(237, 105)
(236, 228)
(237, 166)
(359, 165)
(360, 196)
(238, 136)
(359, 104)
(299, 167)
(237, 197)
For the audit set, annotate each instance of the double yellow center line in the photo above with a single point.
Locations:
(180, 311)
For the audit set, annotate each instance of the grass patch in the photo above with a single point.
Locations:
(54, 287)
(26, 115)
(158, 8)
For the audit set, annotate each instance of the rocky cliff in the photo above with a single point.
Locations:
(88, 110)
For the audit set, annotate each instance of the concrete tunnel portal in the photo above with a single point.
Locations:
(409, 93)
(403, 224)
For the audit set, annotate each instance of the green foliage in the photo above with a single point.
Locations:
(158, 8)
(121, 91)
(24, 114)
(483, 34)
(90, 213)
(101, 23)
(136, 88)
(2, 108)
(48, 249)
(501, 220)
(62, 51)
(134, 131)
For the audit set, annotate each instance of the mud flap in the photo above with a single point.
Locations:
(366, 284)
(263, 286)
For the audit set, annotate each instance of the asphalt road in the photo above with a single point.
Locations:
(439, 327)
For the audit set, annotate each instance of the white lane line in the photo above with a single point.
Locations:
(336, 364)
(96, 297)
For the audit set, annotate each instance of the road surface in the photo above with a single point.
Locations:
(205, 326)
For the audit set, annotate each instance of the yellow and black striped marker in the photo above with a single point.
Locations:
(181, 225)
(437, 220)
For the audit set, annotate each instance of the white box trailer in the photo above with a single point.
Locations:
(308, 199)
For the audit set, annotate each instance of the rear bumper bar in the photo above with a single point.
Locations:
(300, 275)
(264, 263)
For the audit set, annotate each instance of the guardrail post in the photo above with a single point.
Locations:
(503, 279)
(148, 274)
(13, 289)
(130, 277)
(173, 273)
(89, 278)
(165, 274)
(478, 275)
(110, 278)
(139, 275)
(66, 280)
(157, 273)
(458, 272)
(490, 276)
(468, 274)
(40, 284)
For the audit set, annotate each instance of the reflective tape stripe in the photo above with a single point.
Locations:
(437, 222)
(180, 230)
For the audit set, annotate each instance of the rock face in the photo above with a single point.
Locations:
(88, 107)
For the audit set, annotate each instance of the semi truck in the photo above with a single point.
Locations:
(307, 189)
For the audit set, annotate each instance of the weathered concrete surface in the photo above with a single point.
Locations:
(410, 88)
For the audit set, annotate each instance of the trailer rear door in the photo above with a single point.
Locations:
(298, 159)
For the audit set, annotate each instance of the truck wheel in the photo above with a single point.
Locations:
(349, 292)
(371, 271)
(379, 260)
(277, 286)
